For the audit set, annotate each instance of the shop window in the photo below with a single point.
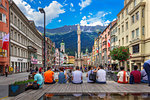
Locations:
(136, 48)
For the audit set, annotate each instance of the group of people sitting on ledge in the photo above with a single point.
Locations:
(93, 76)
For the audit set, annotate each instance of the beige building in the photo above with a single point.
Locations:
(133, 30)
(25, 41)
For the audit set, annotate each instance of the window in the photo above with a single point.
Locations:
(137, 32)
(135, 48)
(122, 41)
(15, 20)
(134, 2)
(132, 34)
(119, 30)
(122, 28)
(15, 37)
(137, 16)
(18, 23)
(18, 37)
(11, 17)
(126, 25)
(11, 50)
(127, 39)
(143, 30)
(133, 19)
(122, 15)
(119, 42)
(18, 51)
(119, 18)
(11, 34)
(15, 51)
(126, 11)
(2, 34)
(3, 17)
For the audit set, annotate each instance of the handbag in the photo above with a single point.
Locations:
(92, 76)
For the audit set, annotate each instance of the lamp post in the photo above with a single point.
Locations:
(42, 11)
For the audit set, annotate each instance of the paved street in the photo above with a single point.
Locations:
(4, 81)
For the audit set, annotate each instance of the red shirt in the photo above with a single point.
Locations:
(137, 76)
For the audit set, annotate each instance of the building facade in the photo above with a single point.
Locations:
(4, 30)
(50, 52)
(25, 41)
(134, 30)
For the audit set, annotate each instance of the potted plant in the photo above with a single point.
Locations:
(18, 87)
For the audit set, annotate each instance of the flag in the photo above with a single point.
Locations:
(6, 42)
(97, 50)
(108, 43)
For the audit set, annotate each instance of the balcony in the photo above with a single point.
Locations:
(32, 49)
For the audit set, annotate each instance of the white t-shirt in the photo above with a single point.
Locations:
(120, 74)
(77, 76)
(101, 74)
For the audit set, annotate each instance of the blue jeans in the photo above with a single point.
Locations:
(147, 70)
(77, 83)
(144, 81)
(50, 83)
(100, 82)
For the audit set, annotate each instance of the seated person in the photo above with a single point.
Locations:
(136, 75)
(144, 77)
(122, 76)
(38, 82)
(62, 76)
(101, 75)
(77, 76)
(49, 76)
(90, 68)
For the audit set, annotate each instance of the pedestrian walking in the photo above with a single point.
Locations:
(6, 70)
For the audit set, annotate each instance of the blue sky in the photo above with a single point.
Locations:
(71, 12)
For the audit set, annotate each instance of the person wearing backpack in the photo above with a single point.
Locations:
(101, 75)
(88, 75)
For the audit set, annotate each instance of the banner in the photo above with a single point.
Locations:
(6, 42)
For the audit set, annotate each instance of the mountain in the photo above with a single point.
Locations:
(69, 35)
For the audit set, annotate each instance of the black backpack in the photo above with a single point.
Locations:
(92, 76)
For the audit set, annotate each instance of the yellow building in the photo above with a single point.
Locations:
(133, 30)
(71, 59)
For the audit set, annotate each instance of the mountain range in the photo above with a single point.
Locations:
(68, 34)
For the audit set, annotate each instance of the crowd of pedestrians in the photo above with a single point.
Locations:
(94, 75)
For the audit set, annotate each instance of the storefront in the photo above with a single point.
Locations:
(19, 64)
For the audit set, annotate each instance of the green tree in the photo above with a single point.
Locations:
(120, 53)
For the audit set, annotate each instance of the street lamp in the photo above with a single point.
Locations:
(42, 11)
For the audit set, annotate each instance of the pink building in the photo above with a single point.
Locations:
(105, 45)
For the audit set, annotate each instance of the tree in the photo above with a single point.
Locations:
(120, 53)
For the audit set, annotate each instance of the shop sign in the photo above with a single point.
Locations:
(34, 58)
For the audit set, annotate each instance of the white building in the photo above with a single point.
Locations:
(25, 41)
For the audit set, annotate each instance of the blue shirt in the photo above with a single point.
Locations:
(61, 77)
(38, 77)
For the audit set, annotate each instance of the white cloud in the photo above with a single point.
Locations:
(80, 12)
(31, 0)
(90, 13)
(71, 7)
(84, 4)
(98, 19)
(71, 4)
(52, 11)
(39, 2)
(59, 21)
